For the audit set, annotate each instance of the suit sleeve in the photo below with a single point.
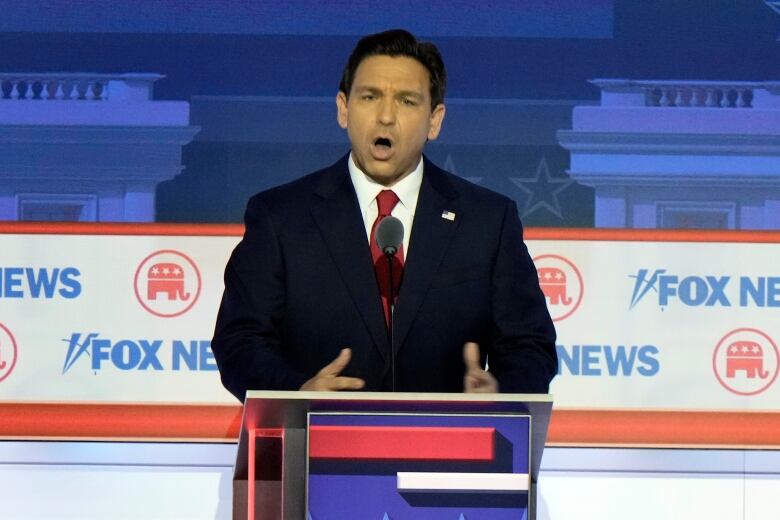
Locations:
(248, 344)
(522, 356)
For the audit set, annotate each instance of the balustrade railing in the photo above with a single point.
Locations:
(698, 96)
(709, 94)
(76, 86)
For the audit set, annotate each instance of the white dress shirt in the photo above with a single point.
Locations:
(407, 190)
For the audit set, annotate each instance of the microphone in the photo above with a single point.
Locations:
(389, 237)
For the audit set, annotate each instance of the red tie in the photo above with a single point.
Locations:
(386, 200)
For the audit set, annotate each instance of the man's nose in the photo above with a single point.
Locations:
(386, 114)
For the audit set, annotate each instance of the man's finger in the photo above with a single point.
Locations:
(335, 367)
(471, 356)
(347, 383)
(476, 379)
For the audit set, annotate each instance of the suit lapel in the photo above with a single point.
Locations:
(431, 235)
(338, 217)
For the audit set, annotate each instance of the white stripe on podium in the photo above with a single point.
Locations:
(463, 482)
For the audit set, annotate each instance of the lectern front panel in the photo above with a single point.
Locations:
(408, 465)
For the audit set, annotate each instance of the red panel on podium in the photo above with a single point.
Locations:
(401, 443)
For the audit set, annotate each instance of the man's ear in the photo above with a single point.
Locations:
(341, 107)
(437, 117)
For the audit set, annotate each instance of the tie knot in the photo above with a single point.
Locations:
(386, 200)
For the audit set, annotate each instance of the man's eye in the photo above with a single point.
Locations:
(368, 97)
(409, 102)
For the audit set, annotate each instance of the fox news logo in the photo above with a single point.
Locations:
(138, 354)
(608, 360)
(39, 282)
(705, 291)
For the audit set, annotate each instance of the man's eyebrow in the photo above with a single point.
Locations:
(376, 90)
(367, 88)
(410, 93)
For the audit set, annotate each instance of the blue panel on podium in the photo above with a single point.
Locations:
(406, 465)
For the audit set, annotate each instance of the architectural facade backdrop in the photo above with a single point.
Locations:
(606, 113)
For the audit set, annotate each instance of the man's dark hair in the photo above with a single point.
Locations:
(398, 42)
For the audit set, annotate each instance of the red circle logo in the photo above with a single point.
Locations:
(561, 283)
(746, 361)
(167, 283)
(8, 352)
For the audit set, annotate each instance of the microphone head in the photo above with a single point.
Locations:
(389, 235)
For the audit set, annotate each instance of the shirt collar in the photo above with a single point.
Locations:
(366, 188)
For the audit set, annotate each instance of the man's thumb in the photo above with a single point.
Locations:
(471, 355)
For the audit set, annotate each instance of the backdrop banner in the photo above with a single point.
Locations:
(673, 321)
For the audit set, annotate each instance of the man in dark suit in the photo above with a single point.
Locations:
(306, 303)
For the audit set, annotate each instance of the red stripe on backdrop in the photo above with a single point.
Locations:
(107, 228)
(617, 235)
(221, 423)
(652, 235)
(120, 421)
(401, 443)
(665, 428)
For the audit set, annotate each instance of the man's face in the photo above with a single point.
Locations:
(388, 116)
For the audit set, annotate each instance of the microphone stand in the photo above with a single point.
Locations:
(389, 237)
(391, 304)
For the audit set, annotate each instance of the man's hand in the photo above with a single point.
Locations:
(476, 380)
(328, 378)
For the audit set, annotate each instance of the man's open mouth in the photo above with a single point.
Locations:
(382, 149)
(383, 142)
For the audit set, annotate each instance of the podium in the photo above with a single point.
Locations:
(376, 455)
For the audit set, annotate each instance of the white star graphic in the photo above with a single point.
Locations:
(542, 190)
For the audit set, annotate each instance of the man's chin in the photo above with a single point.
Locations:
(385, 176)
(379, 171)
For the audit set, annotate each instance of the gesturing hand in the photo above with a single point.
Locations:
(476, 380)
(329, 379)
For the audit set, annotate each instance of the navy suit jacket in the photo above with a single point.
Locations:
(300, 286)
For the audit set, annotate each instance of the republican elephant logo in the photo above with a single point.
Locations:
(561, 283)
(8, 352)
(746, 361)
(167, 283)
(553, 283)
(167, 278)
(747, 357)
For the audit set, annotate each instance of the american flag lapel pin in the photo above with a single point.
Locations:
(448, 215)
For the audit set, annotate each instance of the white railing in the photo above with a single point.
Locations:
(706, 94)
(76, 86)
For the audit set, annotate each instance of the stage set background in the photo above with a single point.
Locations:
(640, 141)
